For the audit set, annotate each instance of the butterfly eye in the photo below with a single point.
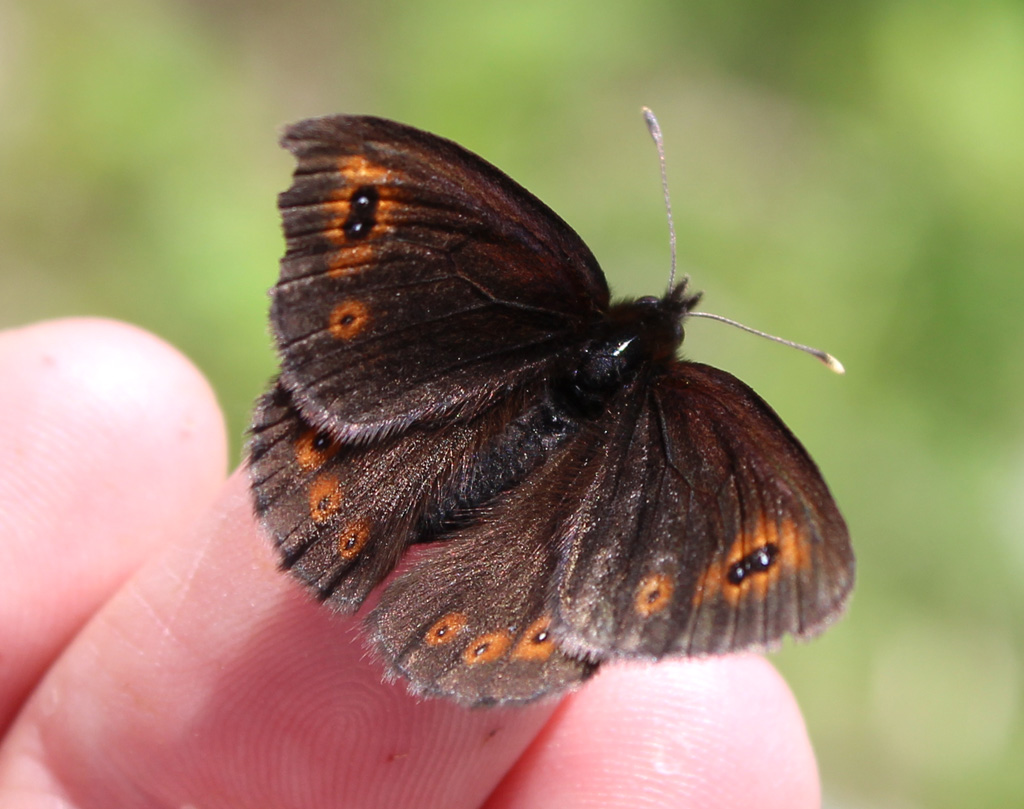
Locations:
(554, 427)
(554, 422)
(757, 561)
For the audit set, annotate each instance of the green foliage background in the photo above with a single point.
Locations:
(846, 174)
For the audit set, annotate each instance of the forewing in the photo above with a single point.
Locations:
(705, 528)
(419, 281)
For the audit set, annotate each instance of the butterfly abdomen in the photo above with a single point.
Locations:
(502, 463)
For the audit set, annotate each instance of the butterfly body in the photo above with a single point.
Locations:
(454, 374)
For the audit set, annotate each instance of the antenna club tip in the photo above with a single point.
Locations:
(833, 364)
(652, 123)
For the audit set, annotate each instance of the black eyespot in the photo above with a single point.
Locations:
(757, 561)
(362, 203)
(762, 558)
(362, 213)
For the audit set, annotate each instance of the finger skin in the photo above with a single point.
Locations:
(97, 420)
(212, 680)
(715, 733)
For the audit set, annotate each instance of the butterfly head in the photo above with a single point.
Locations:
(636, 334)
(656, 323)
(679, 300)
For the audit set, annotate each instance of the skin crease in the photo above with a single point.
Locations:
(159, 659)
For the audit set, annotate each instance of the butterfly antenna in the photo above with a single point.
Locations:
(830, 361)
(655, 130)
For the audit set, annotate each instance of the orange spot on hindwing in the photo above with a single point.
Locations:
(654, 594)
(324, 497)
(348, 319)
(353, 538)
(536, 643)
(487, 648)
(313, 449)
(446, 628)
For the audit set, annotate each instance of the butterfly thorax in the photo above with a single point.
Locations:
(634, 337)
(635, 334)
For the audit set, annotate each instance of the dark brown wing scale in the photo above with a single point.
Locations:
(472, 619)
(452, 373)
(342, 514)
(419, 282)
(730, 541)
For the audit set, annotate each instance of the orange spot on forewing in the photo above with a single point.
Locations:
(359, 173)
(348, 319)
(795, 548)
(351, 261)
(337, 211)
(790, 554)
(358, 170)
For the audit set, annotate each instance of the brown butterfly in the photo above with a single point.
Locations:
(453, 373)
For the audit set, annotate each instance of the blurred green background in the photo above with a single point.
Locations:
(849, 175)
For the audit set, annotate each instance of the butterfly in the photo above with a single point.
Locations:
(454, 375)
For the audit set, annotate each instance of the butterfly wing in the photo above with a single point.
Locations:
(703, 528)
(342, 514)
(419, 283)
(686, 520)
(472, 618)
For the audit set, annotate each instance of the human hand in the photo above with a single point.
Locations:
(159, 658)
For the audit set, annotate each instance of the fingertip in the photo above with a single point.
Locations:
(719, 732)
(113, 439)
(116, 376)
